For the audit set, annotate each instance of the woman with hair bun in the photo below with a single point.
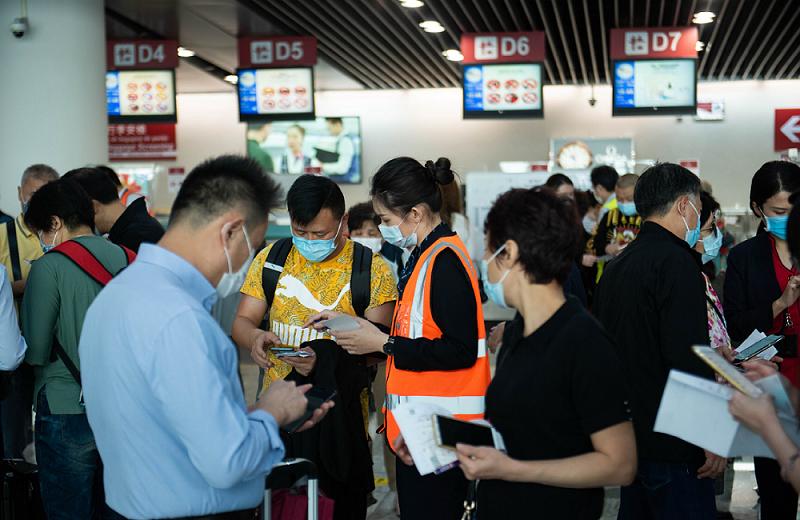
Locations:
(436, 346)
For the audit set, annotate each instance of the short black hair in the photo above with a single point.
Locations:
(64, 199)
(774, 177)
(403, 182)
(95, 183)
(111, 174)
(605, 176)
(661, 185)
(557, 180)
(710, 206)
(224, 183)
(584, 201)
(310, 194)
(544, 227)
(361, 213)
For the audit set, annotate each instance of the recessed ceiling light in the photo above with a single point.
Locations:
(412, 4)
(699, 46)
(232, 78)
(439, 29)
(429, 23)
(183, 52)
(453, 55)
(703, 17)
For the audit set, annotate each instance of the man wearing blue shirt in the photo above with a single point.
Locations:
(160, 377)
(12, 344)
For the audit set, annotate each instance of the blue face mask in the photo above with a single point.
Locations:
(777, 225)
(316, 250)
(712, 245)
(25, 206)
(47, 247)
(494, 291)
(394, 236)
(627, 208)
(692, 235)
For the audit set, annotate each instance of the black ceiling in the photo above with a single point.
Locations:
(379, 44)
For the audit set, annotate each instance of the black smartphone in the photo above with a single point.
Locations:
(449, 432)
(316, 397)
(757, 348)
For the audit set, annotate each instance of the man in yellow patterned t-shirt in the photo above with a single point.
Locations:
(315, 278)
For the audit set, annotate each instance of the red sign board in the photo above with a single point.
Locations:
(659, 42)
(142, 54)
(506, 47)
(277, 51)
(787, 128)
(136, 142)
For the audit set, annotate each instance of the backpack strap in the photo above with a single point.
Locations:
(13, 250)
(360, 278)
(273, 267)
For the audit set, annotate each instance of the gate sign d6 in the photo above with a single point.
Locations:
(142, 54)
(277, 51)
(659, 42)
(507, 47)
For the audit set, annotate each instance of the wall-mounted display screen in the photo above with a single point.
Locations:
(276, 94)
(503, 91)
(140, 96)
(329, 146)
(655, 87)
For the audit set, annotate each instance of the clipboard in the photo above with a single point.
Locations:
(326, 156)
(727, 371)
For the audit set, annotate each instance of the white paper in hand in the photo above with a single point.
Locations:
(416, 424)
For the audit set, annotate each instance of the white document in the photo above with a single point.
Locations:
(416, 424)
(696, 410)
(754, 338)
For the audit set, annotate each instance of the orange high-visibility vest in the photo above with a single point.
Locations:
(459, 391)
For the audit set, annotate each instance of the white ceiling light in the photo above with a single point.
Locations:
(453, 55)
(703, 17)
(431, 26)
(183, 52)
(412, 4)
(232, 78)
(699, 46)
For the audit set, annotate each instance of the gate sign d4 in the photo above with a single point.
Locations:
(787, 128)
(660, 42)
(142, 54)
(508, 47)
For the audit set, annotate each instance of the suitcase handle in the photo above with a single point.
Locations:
(301, 466)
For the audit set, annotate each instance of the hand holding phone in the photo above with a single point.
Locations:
(317, 397)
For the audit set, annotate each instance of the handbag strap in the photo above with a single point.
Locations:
(471, 502)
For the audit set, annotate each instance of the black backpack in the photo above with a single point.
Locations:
(359, 279)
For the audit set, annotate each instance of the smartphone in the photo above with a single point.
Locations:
(277, 350)
(342, 324)
(449, 432)
(757, 348)
(293, 353)
(316, 397)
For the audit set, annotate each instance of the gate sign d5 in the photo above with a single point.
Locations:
(787, 128)
(142, 54)
(659, 42)
(506, 47)
(277, 51)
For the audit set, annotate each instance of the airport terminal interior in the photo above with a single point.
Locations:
(498, 166)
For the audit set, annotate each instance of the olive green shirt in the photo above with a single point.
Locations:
(57, 295)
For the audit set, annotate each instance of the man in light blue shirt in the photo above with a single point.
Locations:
(12, 344)
(160, 378)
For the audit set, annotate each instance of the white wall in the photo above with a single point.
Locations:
(426, 124)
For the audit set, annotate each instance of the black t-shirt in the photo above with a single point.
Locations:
(551, 391)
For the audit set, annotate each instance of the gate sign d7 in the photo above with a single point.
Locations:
(507, 47)
(277, 51)
(659, 42)
(142, 54)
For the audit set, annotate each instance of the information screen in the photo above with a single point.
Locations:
(655, 87)
(141, 96)
(503, 91)
(276, 94)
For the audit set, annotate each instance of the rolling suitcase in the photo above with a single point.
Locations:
(21, 499)
(284, 475)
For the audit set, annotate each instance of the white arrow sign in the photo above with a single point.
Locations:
(791, 129)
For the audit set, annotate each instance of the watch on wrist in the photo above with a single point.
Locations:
(388, 346)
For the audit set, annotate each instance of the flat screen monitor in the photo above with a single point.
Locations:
(141, 96)
(276, 94)
(654, 87)
(329, 146)
(503, 91)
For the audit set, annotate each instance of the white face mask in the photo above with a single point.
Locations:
(372, 243)
(589, 224)
(233, 281)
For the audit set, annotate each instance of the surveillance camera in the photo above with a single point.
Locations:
(592, 101)
(19, 27)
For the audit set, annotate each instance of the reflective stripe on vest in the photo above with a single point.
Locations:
(462, 405)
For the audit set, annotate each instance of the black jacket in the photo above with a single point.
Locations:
(652, 301)
(751, 286)
(135, 226)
